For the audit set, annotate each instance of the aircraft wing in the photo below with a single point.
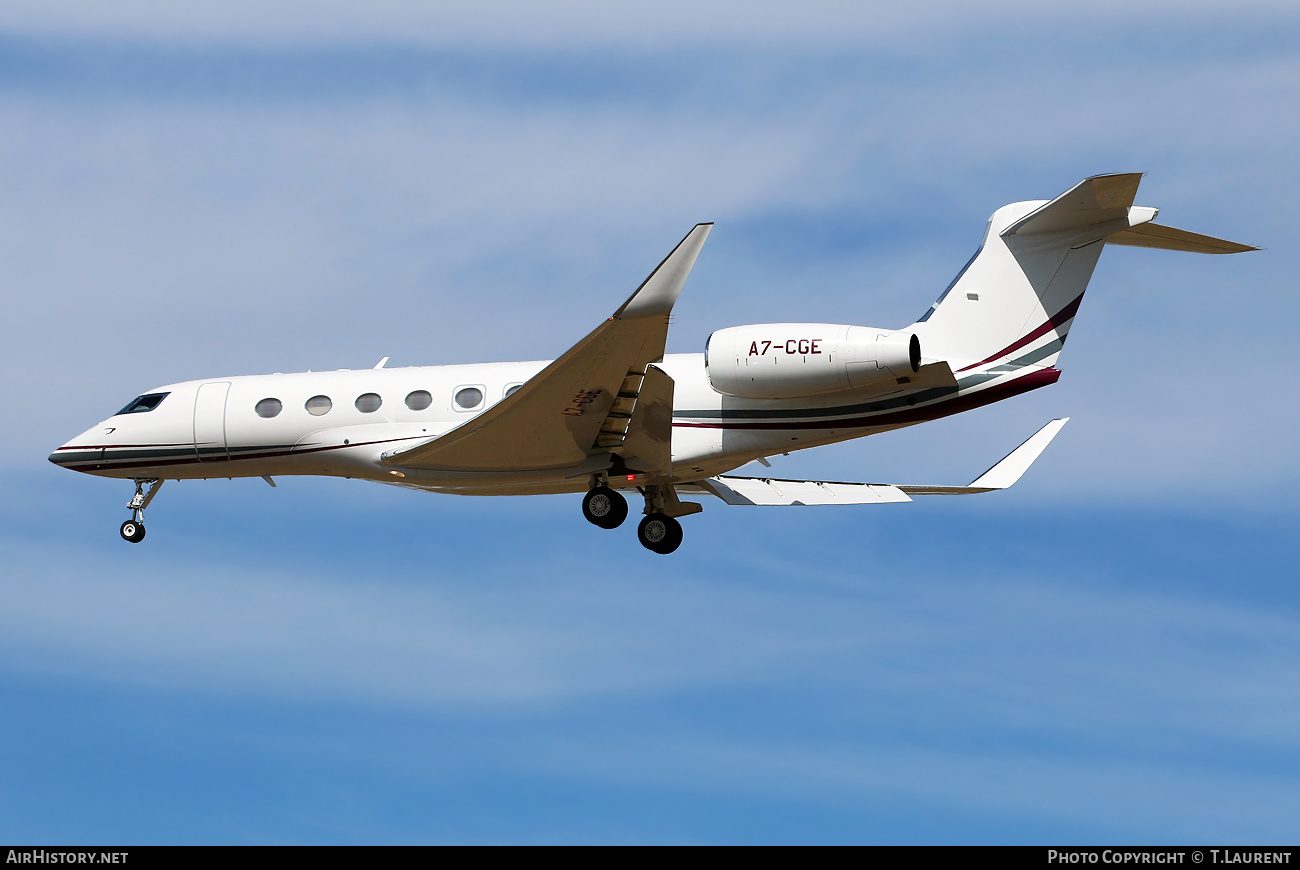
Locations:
(773, 491)
(573, 412)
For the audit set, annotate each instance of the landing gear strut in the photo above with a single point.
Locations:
(133, 529)
(604, 507)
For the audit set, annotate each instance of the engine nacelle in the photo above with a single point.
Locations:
(788, 360)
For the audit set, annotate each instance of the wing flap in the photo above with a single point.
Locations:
(648, 446)
(773, 491)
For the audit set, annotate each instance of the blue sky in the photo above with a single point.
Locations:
(1106, 653)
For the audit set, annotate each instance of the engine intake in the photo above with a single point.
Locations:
(789, 360)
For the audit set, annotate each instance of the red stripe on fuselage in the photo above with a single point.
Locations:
(122, 446)
(1056, 320)
(106, 463)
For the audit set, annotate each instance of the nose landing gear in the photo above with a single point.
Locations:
(133, 529)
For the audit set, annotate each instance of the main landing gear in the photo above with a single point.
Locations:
(604, 507)
(658, 531)
(133, 529)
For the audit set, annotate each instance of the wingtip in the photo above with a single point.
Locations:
(1012, 466)
(1114, 175)
(658, 292)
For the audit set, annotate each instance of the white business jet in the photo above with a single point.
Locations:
(615, 414)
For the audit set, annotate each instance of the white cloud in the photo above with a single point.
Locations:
(564, 24)
(1126, 799)
(1039, 650)
(1045, 696)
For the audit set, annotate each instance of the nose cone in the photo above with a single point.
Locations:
(82, 452)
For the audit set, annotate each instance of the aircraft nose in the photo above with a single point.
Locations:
(67, 454)
(78, 452)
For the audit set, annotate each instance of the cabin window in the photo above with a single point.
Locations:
(469, 398)
(268, 408)
(419, 400)
(368, 403)
(511, 390)
(141, 404)
(318, 405)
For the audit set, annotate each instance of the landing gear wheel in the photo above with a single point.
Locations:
(660, 533)
(132, 531)
(604, 507)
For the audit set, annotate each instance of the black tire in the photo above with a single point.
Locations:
(660, 533)
(132, 531)
(604, 507)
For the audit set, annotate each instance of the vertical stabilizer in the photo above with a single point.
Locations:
(1015, 301)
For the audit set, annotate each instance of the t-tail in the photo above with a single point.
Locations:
(1014, 302)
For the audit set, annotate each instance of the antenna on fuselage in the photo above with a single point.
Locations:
(380, 364)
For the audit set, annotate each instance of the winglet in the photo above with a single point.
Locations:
(1006, 472)
(658, 293)
(1017, 462)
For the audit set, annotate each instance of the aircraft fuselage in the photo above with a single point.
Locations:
(212, 428)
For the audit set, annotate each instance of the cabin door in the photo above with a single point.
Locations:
(210, 422)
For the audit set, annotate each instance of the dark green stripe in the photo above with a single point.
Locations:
(126, 453)
(1042, 353)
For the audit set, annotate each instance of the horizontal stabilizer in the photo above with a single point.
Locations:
(1095, 200)
(1170, 239)
(1006, 472)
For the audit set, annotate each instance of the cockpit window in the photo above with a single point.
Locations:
(147, 402)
